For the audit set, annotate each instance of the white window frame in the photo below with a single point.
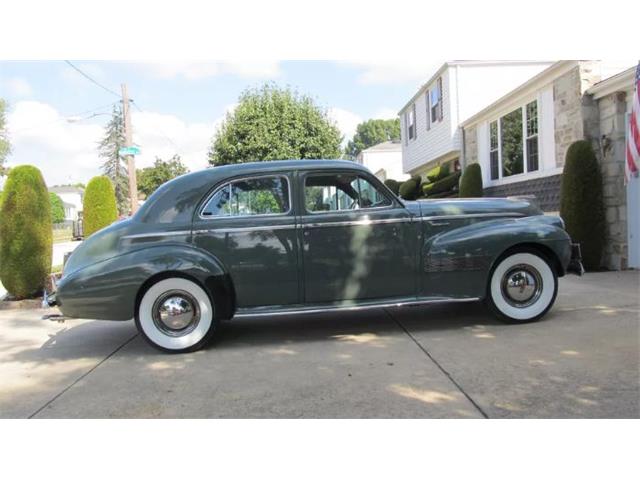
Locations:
(525, 162)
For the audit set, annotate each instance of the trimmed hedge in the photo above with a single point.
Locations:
(581, 203)
(393, 185)
(410, 189)
(438, 173)
(441, 186)
(57, 208)
(471, 181)
(25, 232)
(99, 206)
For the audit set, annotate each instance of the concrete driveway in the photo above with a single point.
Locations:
(582, 361)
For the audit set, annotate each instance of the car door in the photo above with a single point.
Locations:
(358, 242)
(249, 224)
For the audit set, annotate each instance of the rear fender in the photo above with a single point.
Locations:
(110, 289)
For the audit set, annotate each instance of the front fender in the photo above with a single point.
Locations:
(108, 289)
(472, 251)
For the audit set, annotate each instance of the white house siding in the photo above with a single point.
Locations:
(389, 162)
(467, 87)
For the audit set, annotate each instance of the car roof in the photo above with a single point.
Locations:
(267, 166)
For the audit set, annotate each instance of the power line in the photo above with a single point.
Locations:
(91, 79)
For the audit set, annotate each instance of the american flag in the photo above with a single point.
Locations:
(632, 164)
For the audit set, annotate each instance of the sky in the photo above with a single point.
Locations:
(56, 116)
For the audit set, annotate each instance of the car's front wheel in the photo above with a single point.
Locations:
(522, 287)
(176, 315)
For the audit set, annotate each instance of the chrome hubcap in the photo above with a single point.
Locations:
(521, 286)
(176, 313)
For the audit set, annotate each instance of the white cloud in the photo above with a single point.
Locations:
(346, 121)
(392, 72)
(67, 152)
(385, 113)
(199, 70)
(17, 87)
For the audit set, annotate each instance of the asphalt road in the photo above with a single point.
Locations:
(454, 361)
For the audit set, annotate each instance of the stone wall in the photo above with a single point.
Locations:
(470, 145)
(611, 154)
(546, 191)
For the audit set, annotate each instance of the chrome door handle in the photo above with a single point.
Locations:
(438, 223)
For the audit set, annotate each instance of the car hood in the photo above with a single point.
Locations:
(478, 206)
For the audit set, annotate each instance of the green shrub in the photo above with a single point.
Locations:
(410, 189)
(393, 185)
(25, 232)
(447, 184)
(57, 208)
(438, 173)
(99, 206)
(581, 204)
(471, 181)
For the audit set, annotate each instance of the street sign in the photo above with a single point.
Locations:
(129, 151)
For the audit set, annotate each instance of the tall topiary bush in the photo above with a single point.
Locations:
(57, 208)
(410, 189)
(99, 206)
(25, 232)
(471, 181)
(581, 204)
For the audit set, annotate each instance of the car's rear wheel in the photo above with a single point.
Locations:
(522, 287)
(176, 315)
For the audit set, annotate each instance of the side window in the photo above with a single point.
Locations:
(336, 192)
(253, 196)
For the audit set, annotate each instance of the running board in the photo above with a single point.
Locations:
(261, 312)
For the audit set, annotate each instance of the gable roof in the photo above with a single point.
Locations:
(389, 146)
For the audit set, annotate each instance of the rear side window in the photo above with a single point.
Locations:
(335, 192)
(251, 196)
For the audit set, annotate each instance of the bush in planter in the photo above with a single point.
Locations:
(57, 208)
(99, 205)
(441, 186)
(25, 232)
(471, 181)
(410, 189)
(393, 185)
(438, 173)
(581, 204)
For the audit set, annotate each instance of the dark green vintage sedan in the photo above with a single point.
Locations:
(291, 237)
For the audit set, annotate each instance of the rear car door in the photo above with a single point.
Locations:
(248, 223)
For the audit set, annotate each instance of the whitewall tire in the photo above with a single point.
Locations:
(522, 287)
(176, 315)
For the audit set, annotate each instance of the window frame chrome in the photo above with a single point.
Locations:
(229, 182)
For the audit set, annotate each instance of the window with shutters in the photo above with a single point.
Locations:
(411, 122)
(435, 102)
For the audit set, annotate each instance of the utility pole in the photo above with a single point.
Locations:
(128, 141)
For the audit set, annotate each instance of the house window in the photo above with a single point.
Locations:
(513, 142)
(411, 122)
(494, 151)
(435, 102)
(532, 136)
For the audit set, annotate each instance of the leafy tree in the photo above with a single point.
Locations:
(25, 232)
(57, 208)
(471, 181)
(150, 178)
(581, 202)
(114, 166)
(99, 205)
(5, 146)
(373, 132)
(272, 123)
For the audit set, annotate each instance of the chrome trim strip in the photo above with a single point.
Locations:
(240, 179)
(244, 229)
(357, 222)
(472, 215)
(349, 308)
(156, 234)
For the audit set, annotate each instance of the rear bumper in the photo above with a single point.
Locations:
(575, 263)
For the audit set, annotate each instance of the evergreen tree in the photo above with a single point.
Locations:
(115, 166)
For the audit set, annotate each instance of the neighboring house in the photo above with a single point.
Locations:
(384, 160)
(430, 119)
(521, 139)
(72, 200)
